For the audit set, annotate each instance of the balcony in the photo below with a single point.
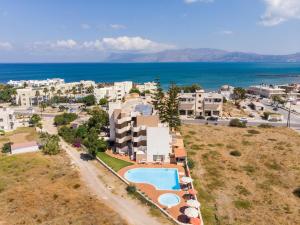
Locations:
(123, 149)
(124, 139)
(139, 138)
(123, 120)
(138, 129)
(122, 130)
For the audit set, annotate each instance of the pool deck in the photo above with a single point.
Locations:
(153, 193)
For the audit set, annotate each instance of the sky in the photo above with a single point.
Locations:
(90, 30)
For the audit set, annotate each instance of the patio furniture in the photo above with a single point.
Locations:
(186, 180)
(193, 203)
(191, 212)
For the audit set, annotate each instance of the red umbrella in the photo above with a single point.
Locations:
(192, 192)
(195, 221)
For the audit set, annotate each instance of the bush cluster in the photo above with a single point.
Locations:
(237, 123)
(65, 119)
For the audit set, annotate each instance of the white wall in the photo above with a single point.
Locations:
(158, 143)
(25, 150)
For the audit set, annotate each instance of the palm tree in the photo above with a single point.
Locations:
(45, 91)
(52, 89)
(74, 91)
(59, 92)
(37, 95)
(42, 107)
(81, 86)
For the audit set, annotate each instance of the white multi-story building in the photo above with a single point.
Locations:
(148, 86)
(117, 92)
(7, 119)
(36, 83)
(200, 103)
(137, 131)
(266, 91)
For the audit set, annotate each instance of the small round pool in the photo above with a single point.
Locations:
(169, 200)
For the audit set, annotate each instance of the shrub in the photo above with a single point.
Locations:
(51, 146)
(34, 120)
(235, 153)
(242, 190)
(296, 192)
(253, 132)
(64, 119)
(191, 163)
(134, 90)
(103, 101)
(242, 204)
(131, 189)
(6, 148)
(265, 126)
(237, 123)
(88, 100)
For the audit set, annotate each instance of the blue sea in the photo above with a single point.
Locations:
(208, 75)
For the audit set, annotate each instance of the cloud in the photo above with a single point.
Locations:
(85, 26)
(118, 26)
(279, 11)
(226, 32)
(56, 45)
(126, 43)
(5, 46)
(194, 1)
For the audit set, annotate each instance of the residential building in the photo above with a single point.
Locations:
(117, 92)
(147, 87)
(36, 83)
(258, 106)
(7, 119)
(136, 130)
(226, 91)
(266, 91)
(200, 104)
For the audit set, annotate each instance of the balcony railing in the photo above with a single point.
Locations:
(123, 120)
(122, 130)
(139, 138)
(122, 140)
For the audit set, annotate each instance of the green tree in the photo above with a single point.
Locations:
(65, 119)
(6, 147)
(99, 119)
(34, 120)
(90, 89)
(37, 96)
(172, 108)
(51, 146)
(158, 100)
(7, 93)
(45, 91)
(43, 106)
(190, 88)
(103, 101)
(88, 100)
(94, 144)
(277, 100)
(239, 94)
(52, 89)
(134, 90)
(59, 92)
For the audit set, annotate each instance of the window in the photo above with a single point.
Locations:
(159, 158)
(1, 119)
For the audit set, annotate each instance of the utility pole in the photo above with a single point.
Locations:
(289, 115)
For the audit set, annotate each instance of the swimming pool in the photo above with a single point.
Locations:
(169, 200)
(160, 178)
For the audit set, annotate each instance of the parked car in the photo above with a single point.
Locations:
(212, 118)
(244, 119)
(275, 109)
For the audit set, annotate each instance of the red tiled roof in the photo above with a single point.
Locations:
(179, 152)
(195, 221)
(23, 145)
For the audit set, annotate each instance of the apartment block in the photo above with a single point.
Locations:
(200, 103)
(7, 119)
(136, 130)
(148, 86)
(266, 91)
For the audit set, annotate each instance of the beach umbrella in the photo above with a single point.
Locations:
(193, 203)
(186, 180)
(191, 212)
(195, 221)
(192, 192)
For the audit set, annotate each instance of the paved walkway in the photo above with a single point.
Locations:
(127, 208)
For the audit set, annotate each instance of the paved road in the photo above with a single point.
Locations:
(249, 123)
(127, 208)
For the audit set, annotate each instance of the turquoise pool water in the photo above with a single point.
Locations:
(169, 200)
(160, 178)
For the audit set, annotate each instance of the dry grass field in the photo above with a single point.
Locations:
(230, 110)
(245, 175)
(38, 189)
(19, 135)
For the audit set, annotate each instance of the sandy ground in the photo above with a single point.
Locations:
(253, 188)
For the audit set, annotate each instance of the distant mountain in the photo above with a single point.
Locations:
(200, 55)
